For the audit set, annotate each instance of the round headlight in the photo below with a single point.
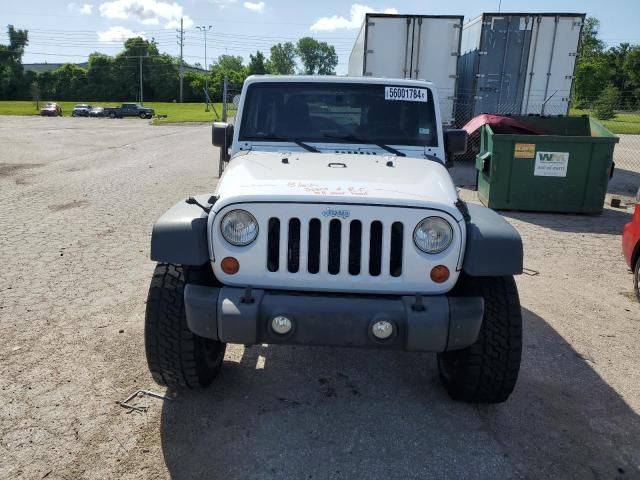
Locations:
(239, 228)
(433, 235)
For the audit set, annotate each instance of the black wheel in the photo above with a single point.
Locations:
(177, 357)
(143, 115)
(486, 372)
(636, 279)
(112, 114)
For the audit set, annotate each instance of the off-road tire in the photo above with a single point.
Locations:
(177, 357)
(486, 372)
(636, 279)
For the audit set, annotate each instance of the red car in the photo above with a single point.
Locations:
(631, 245)
(51, 110)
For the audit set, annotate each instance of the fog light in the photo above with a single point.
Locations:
(382, 329)
(439, 274)
(281, 324)
(230, 265)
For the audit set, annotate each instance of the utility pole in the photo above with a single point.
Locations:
(225, 87)
(181, 43)
(141, 99)
(204, 29)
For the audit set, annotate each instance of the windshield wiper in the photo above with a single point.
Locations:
(275, 138)
(354, 138)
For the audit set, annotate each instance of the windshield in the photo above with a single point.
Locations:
(339, 113)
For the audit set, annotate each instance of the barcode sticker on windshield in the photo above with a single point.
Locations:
(406, 94)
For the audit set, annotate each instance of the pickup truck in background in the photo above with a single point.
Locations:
(128, 110)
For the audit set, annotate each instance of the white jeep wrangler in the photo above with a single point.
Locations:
(336, 222)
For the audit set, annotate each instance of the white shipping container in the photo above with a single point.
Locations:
(517, 63)
(422, 47)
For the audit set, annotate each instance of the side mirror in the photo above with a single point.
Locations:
(222, 134)
(455, 142)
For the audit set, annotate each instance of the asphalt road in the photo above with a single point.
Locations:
(78, 198)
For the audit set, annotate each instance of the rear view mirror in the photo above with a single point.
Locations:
(455, 142)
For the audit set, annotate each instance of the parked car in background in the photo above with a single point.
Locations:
(51, 109)
(631, 245)
(129, 110)
(81, 110)
(96, 112)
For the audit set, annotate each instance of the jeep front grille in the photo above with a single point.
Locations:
(316, 246)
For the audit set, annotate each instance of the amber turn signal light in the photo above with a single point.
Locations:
(439, 274)
(230, 265)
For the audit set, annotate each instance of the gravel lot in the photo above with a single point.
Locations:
(77, 201)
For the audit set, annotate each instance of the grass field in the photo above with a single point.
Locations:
(175, 112)
(628, 123)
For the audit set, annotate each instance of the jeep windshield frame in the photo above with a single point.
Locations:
(334, 112)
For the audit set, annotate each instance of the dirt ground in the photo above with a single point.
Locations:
(78, 198)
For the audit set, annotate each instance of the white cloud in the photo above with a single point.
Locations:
(222, 4)
(254, 7)
(188, 23)
(147, 12)
(86, 9)
(357, 13)
(118, 34)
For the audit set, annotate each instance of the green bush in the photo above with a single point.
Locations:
(605, 105)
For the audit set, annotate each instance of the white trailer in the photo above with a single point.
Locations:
(411, 46)
(518, 63)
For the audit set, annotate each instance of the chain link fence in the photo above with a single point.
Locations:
(619, 115)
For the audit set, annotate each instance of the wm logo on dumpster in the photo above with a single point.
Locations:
(551, 164)
(551, 157)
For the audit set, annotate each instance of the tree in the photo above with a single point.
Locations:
(607, 102)
(317, 57)
(591, 45)
(230, 63)
(101, 77)
(631, 67)
(283, 59)
(11, 70)
(591, 74)
(257, 65)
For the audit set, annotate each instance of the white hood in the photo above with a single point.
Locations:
(298, 177)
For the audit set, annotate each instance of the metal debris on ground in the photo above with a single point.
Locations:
(140, 393)
(529, 271)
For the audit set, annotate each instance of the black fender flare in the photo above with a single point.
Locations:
(494, 247)
(180, 234)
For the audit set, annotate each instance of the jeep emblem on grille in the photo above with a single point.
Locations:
(334, 212)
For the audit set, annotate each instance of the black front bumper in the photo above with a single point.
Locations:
(431, 323)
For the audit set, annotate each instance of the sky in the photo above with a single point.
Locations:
(64, 31)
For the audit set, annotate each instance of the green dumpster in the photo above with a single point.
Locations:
(566, 169)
